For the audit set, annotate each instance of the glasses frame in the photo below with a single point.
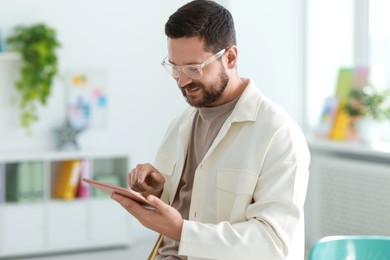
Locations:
(171, 68)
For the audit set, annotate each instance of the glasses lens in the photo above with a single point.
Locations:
(171, 69)
(192, 72)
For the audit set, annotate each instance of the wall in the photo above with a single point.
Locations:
(127, 40)
(271, 44)
(329, 46)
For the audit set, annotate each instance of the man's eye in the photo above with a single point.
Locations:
(190, 68)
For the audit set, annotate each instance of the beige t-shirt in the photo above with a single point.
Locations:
(206, 125)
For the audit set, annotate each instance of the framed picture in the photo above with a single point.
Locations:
(86, 105)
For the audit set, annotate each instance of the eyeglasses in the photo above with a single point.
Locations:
(193, 71)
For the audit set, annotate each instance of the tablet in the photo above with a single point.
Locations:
(109, 189)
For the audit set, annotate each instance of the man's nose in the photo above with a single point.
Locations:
(183, 80)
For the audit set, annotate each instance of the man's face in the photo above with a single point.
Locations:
(208, 90)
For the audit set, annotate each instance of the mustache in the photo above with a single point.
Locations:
(192, 85)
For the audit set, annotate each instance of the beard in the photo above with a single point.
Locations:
(210, 94)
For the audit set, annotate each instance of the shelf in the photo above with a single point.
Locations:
(56, 155)
(379, 149)
(86, 220)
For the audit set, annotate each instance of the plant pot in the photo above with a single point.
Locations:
(367, 130)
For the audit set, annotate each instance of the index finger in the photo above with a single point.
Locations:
(144, 171)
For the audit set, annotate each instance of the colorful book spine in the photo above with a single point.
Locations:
(341, 122)
(68, 180)
(24, 184)
(344, 83)
(11, 183)
(83, 189)
(328, 117)
(37, 181)
(340, 127)
(18, 183)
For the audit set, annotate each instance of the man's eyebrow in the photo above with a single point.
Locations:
(185, 64)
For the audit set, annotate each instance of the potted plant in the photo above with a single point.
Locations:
(37, 46)
(368, 106)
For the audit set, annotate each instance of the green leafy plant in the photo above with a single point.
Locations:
(37, 46)
(369, 101)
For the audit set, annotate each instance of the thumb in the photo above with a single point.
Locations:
(156, 202)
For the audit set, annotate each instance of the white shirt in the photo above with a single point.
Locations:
(249, 190)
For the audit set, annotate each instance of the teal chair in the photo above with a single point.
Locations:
(351, 248)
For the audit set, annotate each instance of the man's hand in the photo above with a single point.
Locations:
(165, 220)
(146, 179)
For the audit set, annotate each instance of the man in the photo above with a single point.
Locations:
(230, 177)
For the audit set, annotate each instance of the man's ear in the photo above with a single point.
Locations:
(232, 55)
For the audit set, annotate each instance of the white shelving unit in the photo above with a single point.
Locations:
(53, 225)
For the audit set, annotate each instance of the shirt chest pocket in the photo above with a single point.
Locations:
(165, 163)
(234, 193)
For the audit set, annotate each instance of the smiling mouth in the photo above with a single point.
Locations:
(191, 89)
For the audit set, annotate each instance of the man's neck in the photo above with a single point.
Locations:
(234, 89)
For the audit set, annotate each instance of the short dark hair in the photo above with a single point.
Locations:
(205, 19)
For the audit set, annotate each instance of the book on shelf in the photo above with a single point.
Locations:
(360, 77)
(37, 180)
(24, 191)
(328, 116)
(83, 188)
(18, 183)
(346, 79)
(2, 184)
(68, 180)
(341, 123)
(344, 83)
(24, 182)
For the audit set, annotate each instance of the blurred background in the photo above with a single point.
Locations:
(293, 50)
